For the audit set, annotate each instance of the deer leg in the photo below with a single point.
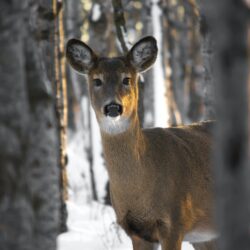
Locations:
(171, 245)
(210, 245)
(170, 238)
(140, 244)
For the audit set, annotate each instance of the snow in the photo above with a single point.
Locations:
(77, 169)
(92, 226)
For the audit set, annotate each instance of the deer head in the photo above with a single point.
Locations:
(113, 82)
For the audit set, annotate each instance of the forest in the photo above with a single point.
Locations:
(54, 177)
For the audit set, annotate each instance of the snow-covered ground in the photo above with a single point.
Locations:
(93, 227)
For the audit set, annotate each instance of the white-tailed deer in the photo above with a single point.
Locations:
(160, 179)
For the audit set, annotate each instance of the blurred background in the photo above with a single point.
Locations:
(53, 179)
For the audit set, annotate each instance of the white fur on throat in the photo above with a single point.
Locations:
(114, 125)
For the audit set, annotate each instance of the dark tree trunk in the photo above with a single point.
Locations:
(194, 110)
(229, 23)
(170, 62)
(207, 50)
(29, 173)
(16, 212)
(91, 156)
(73, 16)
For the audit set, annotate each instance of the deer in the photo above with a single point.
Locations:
(161, 183)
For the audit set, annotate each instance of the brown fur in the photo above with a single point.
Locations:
(167, 190)
(160, 179)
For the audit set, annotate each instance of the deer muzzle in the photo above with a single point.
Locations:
(113, 109)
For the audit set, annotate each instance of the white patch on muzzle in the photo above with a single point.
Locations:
(114, 125)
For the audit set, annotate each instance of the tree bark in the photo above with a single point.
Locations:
(120, 25)
(229, 22)
(16, 210)
(74, 19)
(29, 173)
(170, 63)
(181, 60)
(148, 88)
(207, 50)
(61, 105)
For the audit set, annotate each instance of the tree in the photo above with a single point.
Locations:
(73, 20)
(61, 105)
(207, 53)
(29, 172)
(181, 60)
(230, 22)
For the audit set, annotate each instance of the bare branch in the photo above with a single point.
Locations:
(120, 24)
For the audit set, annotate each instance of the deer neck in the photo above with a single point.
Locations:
(123, 152)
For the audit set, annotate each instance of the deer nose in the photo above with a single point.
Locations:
(113, 109)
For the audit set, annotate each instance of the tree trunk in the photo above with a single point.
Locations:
(229, 21)
(61, 105)
(181, 60)
(148, 95)
(29, 173)
(207, 49)
(73, 19)
(175, 115)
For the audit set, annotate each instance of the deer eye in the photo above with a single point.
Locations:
(126, 81)
(97, 82)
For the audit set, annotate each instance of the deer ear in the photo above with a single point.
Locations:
(80, 56)
(143, 54)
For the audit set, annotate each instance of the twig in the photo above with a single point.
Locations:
(120, 24)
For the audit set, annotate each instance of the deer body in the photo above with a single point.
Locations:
(160, 179)
(159, 185)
